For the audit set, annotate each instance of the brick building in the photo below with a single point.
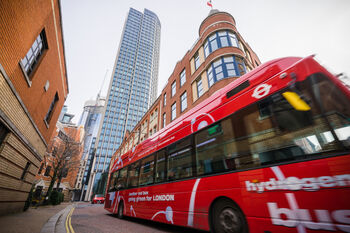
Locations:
(67, 186)
(219, 56)
(33, 88)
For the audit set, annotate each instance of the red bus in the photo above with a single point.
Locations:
(268, 153)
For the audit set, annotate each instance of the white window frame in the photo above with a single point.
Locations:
(183, 101)
(182, 78)
(173, 111)
(173, 89)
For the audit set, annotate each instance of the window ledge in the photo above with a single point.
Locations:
(46, 124)
(25, 74)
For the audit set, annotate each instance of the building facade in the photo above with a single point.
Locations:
(66, 135)
(33, 88)
(132, 88)
(90, 120)
(219, 56)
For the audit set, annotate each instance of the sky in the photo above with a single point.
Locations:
(273, 28)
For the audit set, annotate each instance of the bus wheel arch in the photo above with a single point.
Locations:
(225, 215)
(120, 211)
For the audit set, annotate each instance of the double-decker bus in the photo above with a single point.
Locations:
(267, 153)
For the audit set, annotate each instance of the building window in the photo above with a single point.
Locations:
(196, 61)
(173, 111)
(182, 78)
(164, 120)
(54, 151)
(247, 54)
(3, 132)
(64, 172)
(47, 171)
(173, 89)
(164, 100)
(26, 168)
(41, 168)
(199, 88)
(218, 40)
(51, 109)
(31, 59)
(233, 40)
(183, 101)
(224, 67)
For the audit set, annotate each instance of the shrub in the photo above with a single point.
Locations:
(54, 198)
(60, 197)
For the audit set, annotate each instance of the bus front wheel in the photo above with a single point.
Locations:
(227, 218)
(120, 210)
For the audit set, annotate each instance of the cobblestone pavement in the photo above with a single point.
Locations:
(88, 218)
(30, 221)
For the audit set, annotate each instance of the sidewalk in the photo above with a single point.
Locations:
(30, 221)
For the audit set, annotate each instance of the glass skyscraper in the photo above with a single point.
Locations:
(90, 119)
(132, 88)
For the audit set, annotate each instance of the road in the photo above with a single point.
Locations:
(88, 218)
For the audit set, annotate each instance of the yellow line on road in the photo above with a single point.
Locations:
(69, 228)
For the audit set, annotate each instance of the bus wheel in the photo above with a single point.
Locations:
(120, 210)
(227, 218)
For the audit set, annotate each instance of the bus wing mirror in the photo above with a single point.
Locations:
(295, 101)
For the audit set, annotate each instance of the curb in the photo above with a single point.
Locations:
(56, 224)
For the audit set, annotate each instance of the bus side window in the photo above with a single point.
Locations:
(215, 148)
(336, 108)
(121, 183)
(133, 175)
(113, 181)
(291, 128)
(180, 159)
(146, 170)
(160, 167)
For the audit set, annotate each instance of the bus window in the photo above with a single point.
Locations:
(133, 175)
(121, 183)
(180, 164)
(180, 159)
(179, 145)
(335, 105)
(160, 168)
(146, 170)
(215, 148)
(274, 130)
(113, 181)
(284, 133)
(287, 117)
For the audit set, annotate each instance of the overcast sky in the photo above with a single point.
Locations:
(273, 28)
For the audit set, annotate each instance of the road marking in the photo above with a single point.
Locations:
(69, 228)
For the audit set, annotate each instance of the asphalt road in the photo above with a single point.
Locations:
(88, 218)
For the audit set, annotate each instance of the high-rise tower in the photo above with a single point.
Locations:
(132, 88)
(90, 119)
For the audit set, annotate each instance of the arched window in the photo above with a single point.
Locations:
(229, 66)
(218, 40)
